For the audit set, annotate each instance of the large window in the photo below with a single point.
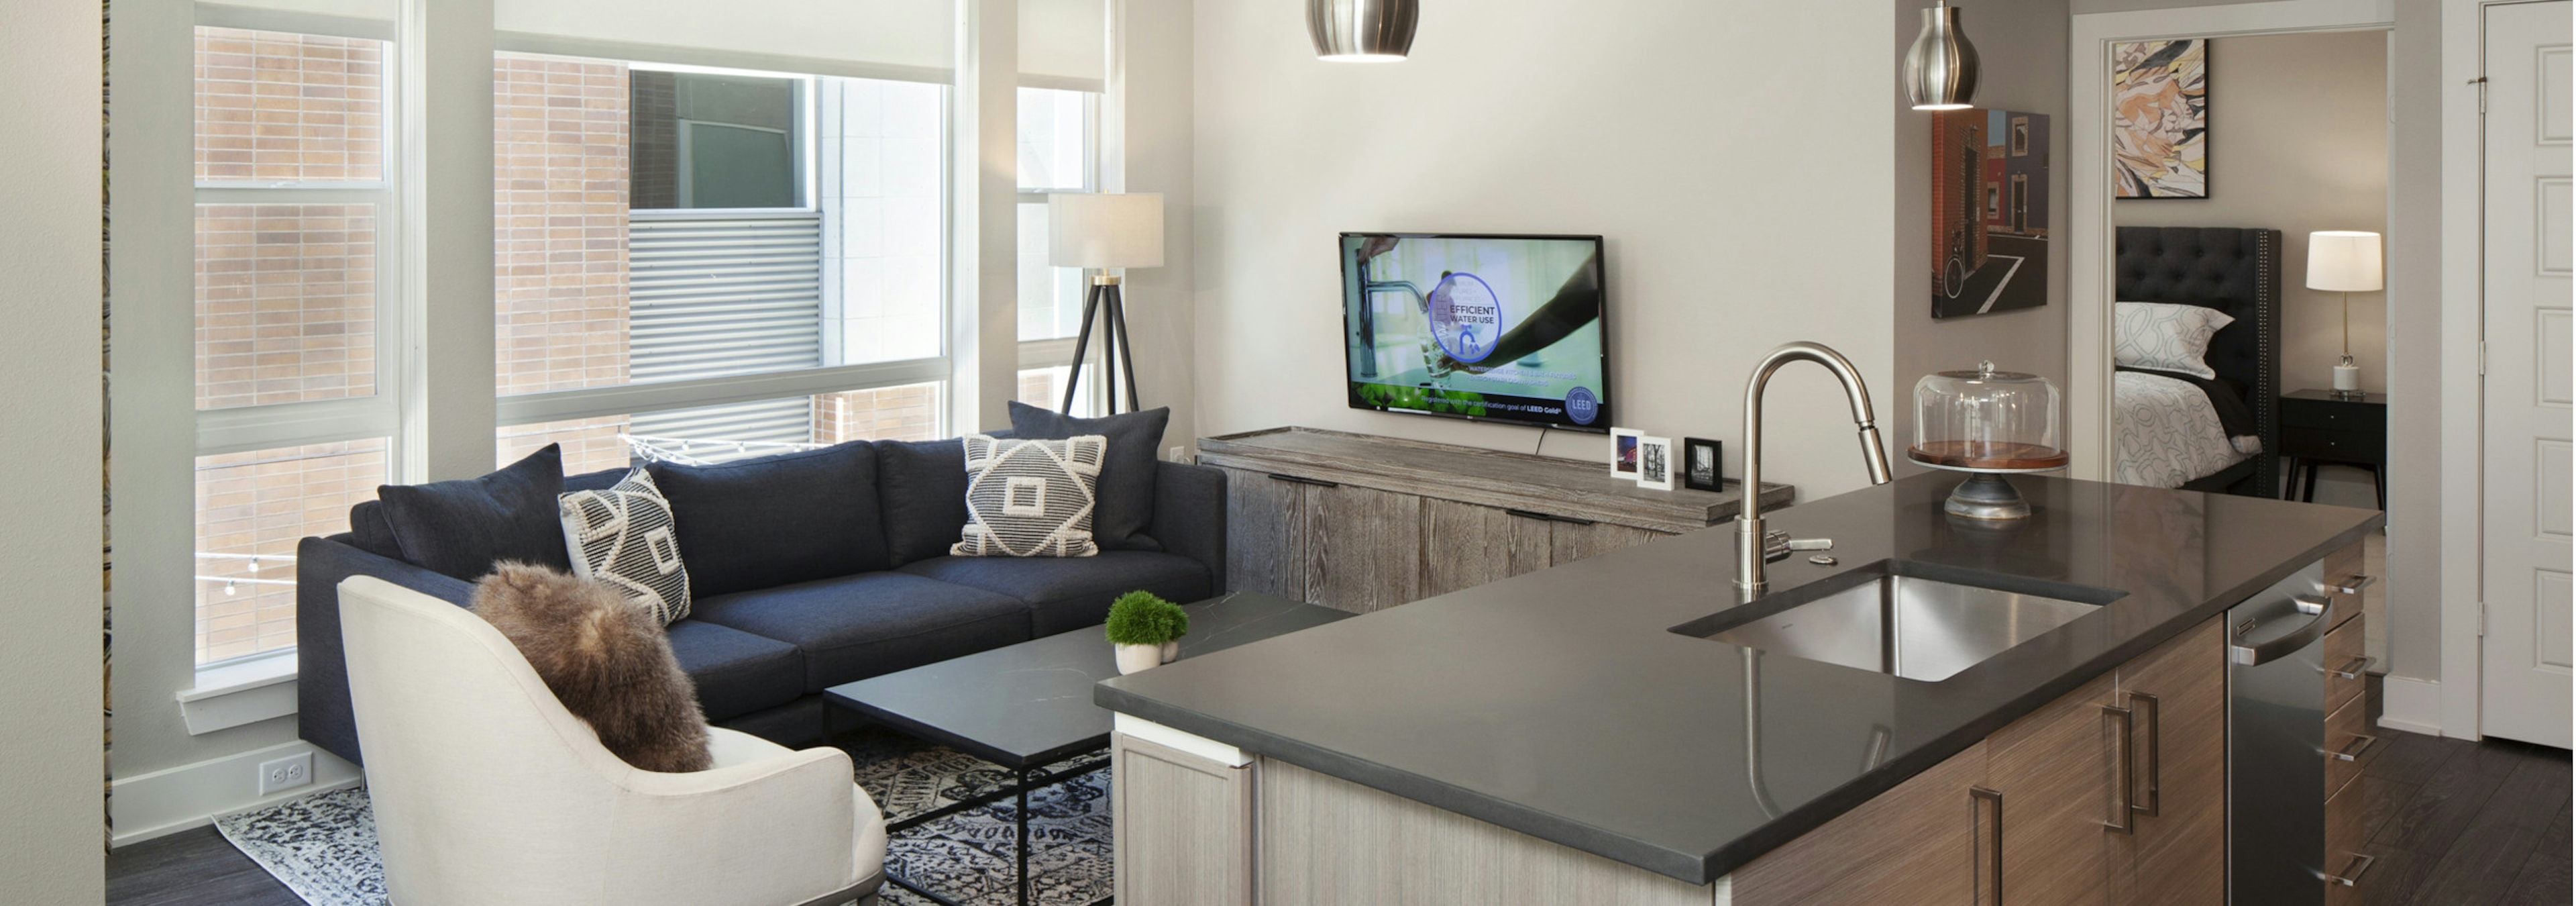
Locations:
(666, 231)
(293, 315)
(1056, 137)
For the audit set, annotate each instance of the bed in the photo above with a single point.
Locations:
(2169, 431)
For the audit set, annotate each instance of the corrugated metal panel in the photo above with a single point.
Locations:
(720, 296)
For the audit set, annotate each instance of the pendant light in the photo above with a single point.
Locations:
(1361, 31)
(1941, 69)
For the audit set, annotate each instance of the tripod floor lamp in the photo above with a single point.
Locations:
(1101, 232)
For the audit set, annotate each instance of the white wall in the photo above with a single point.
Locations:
(1733, 155)
(1146, 146)
(51, 825)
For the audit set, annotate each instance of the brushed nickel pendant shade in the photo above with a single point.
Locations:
(1361, 31)
(1941, 68)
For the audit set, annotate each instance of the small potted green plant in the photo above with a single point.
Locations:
(1146, 630)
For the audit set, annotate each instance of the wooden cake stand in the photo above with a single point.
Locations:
(1986, 495)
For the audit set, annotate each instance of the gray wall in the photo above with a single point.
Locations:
(1743, 195)
(51, 826)
(2022, 46)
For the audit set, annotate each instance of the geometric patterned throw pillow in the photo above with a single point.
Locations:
(623, 536)
(1031, 498)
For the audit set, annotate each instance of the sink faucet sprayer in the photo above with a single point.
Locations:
(1752, 544)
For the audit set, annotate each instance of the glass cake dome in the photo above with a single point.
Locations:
(1989, 422)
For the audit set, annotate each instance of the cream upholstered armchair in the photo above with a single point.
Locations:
(488, 792)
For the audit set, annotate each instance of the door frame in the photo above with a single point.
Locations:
(2090, 248)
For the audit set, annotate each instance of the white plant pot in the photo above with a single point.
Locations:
(1171, 651)
(1134, 658)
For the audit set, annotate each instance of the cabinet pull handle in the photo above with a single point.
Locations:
(2351, 752)
(2352, 585)
(2155, 756)
(1989, 869)
(1292, 479)
(2352, 874)
(2353, 669)
(2123, 813)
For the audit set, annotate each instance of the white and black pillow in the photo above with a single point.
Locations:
(2164, 336)
(1031, 498)
(624, 536)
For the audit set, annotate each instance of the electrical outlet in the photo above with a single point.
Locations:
(285, 773)
(1175, 454)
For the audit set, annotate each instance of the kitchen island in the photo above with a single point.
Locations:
(1552, 738)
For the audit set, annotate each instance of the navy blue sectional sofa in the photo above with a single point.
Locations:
(808, 570)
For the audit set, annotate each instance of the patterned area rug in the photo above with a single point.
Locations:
(323, 846)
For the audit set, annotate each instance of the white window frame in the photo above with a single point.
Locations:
(1057, 352)
(522, 409)
(215, 701)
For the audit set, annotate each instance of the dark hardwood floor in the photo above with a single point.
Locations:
(2451, 822)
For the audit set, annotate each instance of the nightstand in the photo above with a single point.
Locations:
(2318, 428)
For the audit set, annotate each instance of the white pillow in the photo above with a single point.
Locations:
(1031, 498)
(2163, 336)
(623, 536)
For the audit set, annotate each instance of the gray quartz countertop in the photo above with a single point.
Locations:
(1560, 705)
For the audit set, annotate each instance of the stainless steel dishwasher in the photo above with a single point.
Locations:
(2276, 771)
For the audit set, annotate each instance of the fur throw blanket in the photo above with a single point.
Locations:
(606, 658)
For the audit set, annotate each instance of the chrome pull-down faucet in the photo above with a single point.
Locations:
(1752, 544)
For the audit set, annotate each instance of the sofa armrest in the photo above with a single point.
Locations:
(1189, 516)
(322, 709)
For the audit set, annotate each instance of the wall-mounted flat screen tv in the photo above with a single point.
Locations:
(1491, 328)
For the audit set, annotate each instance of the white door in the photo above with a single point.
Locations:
(2530, 459)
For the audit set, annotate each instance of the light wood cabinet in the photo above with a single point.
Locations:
(2042, 797)
(1364, 523)
(2177, 699)
(1915, 844)
(2054, 772)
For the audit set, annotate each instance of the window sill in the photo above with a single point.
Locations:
(241, 692)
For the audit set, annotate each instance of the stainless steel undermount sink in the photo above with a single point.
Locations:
(1914, 620)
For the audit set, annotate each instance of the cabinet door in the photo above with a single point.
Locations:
(2054, 769)
(1915, 844)
(1363, 547)
(2177, 698)
(1465, 545)
(1265, 535)
(1573, 541)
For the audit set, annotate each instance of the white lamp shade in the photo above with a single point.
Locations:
(1101, 230)
(2344, 261)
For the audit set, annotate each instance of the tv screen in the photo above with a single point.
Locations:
(1493, 328)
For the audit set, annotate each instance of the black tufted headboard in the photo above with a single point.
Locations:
(2237, 271)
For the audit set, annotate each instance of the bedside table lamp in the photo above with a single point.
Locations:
(2347, 262)
(1101, 231)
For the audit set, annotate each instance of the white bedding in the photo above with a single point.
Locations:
(2168, 433)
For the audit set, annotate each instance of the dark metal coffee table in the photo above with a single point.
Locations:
(1029, 705)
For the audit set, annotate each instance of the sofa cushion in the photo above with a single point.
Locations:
(737, 672)
(854, 627)
(1126, 479)
(921, 491)
(460, 528)
(1065, 594)
(1030, 498)
(595, 481)
(776, 520)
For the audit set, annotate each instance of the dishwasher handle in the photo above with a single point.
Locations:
(2276, 649)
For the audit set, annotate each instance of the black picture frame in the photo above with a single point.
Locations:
(1691, 472)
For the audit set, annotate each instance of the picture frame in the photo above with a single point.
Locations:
(1703, 464)
(1655, 463)
(1623, 453)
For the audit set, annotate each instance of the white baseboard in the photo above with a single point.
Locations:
(2412, 705)
(168, 801)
